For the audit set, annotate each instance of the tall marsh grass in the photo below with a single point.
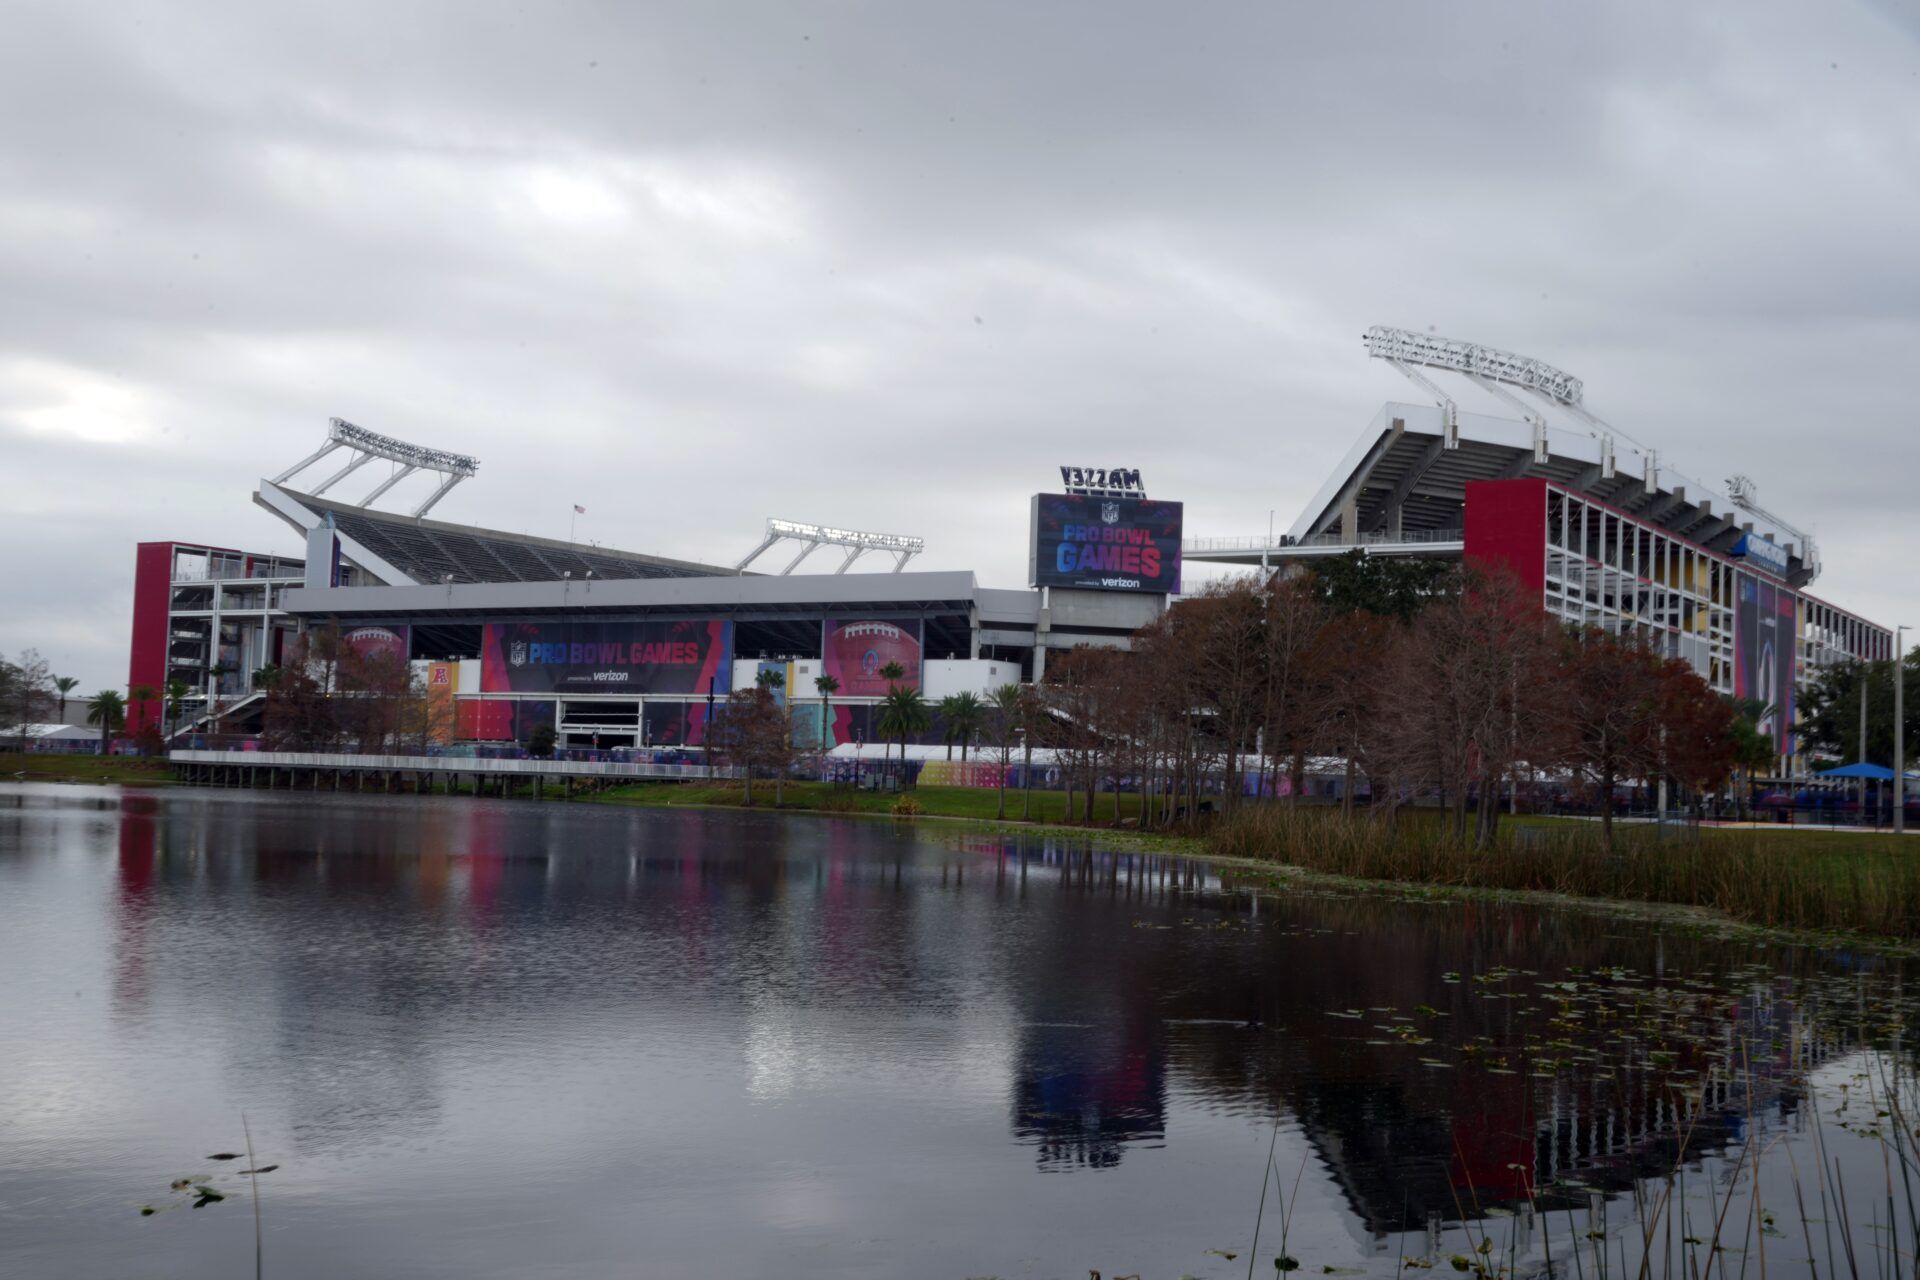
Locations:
(1821, 881)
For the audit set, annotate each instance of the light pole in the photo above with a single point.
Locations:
(1899, 731)
(706, 731)
(1862, 757)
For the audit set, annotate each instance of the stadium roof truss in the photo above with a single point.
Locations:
(409, 549)
(366, 446)
(812, 537)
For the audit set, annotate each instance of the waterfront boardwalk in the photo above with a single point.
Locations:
(337, 771)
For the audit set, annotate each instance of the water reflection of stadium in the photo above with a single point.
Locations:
(1401, 1144)
(1135, 984)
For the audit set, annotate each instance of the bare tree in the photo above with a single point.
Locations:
(1227, 623)
(1006, 719)
(752, 732)
(1353, 657)
(1083, 694)
(1611, 694)
(26, 693)
(1463, 712)
(1295, 616)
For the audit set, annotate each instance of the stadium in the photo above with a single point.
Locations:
(618, 648)
(1608, 533)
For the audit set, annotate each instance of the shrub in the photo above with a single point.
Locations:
(906, 807)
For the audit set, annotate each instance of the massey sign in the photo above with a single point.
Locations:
(1105, 544)
(1115, 482)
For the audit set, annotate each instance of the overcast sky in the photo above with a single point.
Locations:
(888, 265)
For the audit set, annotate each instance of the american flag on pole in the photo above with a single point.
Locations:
(579, 510)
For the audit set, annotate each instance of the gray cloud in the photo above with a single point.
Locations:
(692, 265)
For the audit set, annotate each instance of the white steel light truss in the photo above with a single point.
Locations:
(814, 536)
(365, 446)
(1404, 347)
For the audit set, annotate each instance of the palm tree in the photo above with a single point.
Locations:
(949, 721)
(826, 687)
(108, 710)
(140, 695)
(66, 685)
(1753, 749)
(891, 672)
(963, 713)
(177, 692)
(903, 713)
(267, 677)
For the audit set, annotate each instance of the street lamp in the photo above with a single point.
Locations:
(1899, 731)
(706, 732)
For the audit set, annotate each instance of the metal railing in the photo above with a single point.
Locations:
(1411, 538)
(519, 767)
(240, 573)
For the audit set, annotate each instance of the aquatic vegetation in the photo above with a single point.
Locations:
(1856, 883)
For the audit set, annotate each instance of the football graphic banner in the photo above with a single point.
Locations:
(854, 651)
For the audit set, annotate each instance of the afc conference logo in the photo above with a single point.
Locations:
(1109, 513)
(517, 653)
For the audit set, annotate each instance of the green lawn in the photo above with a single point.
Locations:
(942, 802)
(58, 768)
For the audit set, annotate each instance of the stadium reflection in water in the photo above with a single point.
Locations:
(676, 1041)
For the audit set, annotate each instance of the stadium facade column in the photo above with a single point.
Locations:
(1042, 626)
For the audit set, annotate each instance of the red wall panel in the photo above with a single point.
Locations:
(1507, 526)
(484, 720)
(147, 652)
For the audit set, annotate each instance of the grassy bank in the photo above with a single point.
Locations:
(1783, 879)
(978, 803)
(34, 767)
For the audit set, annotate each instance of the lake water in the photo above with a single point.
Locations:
(484, 1038)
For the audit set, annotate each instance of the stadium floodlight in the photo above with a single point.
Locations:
(1401, 347)
(366, 446)
(814, 536)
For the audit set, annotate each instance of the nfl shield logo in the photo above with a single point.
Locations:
(517, 653)
(1110, 512)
